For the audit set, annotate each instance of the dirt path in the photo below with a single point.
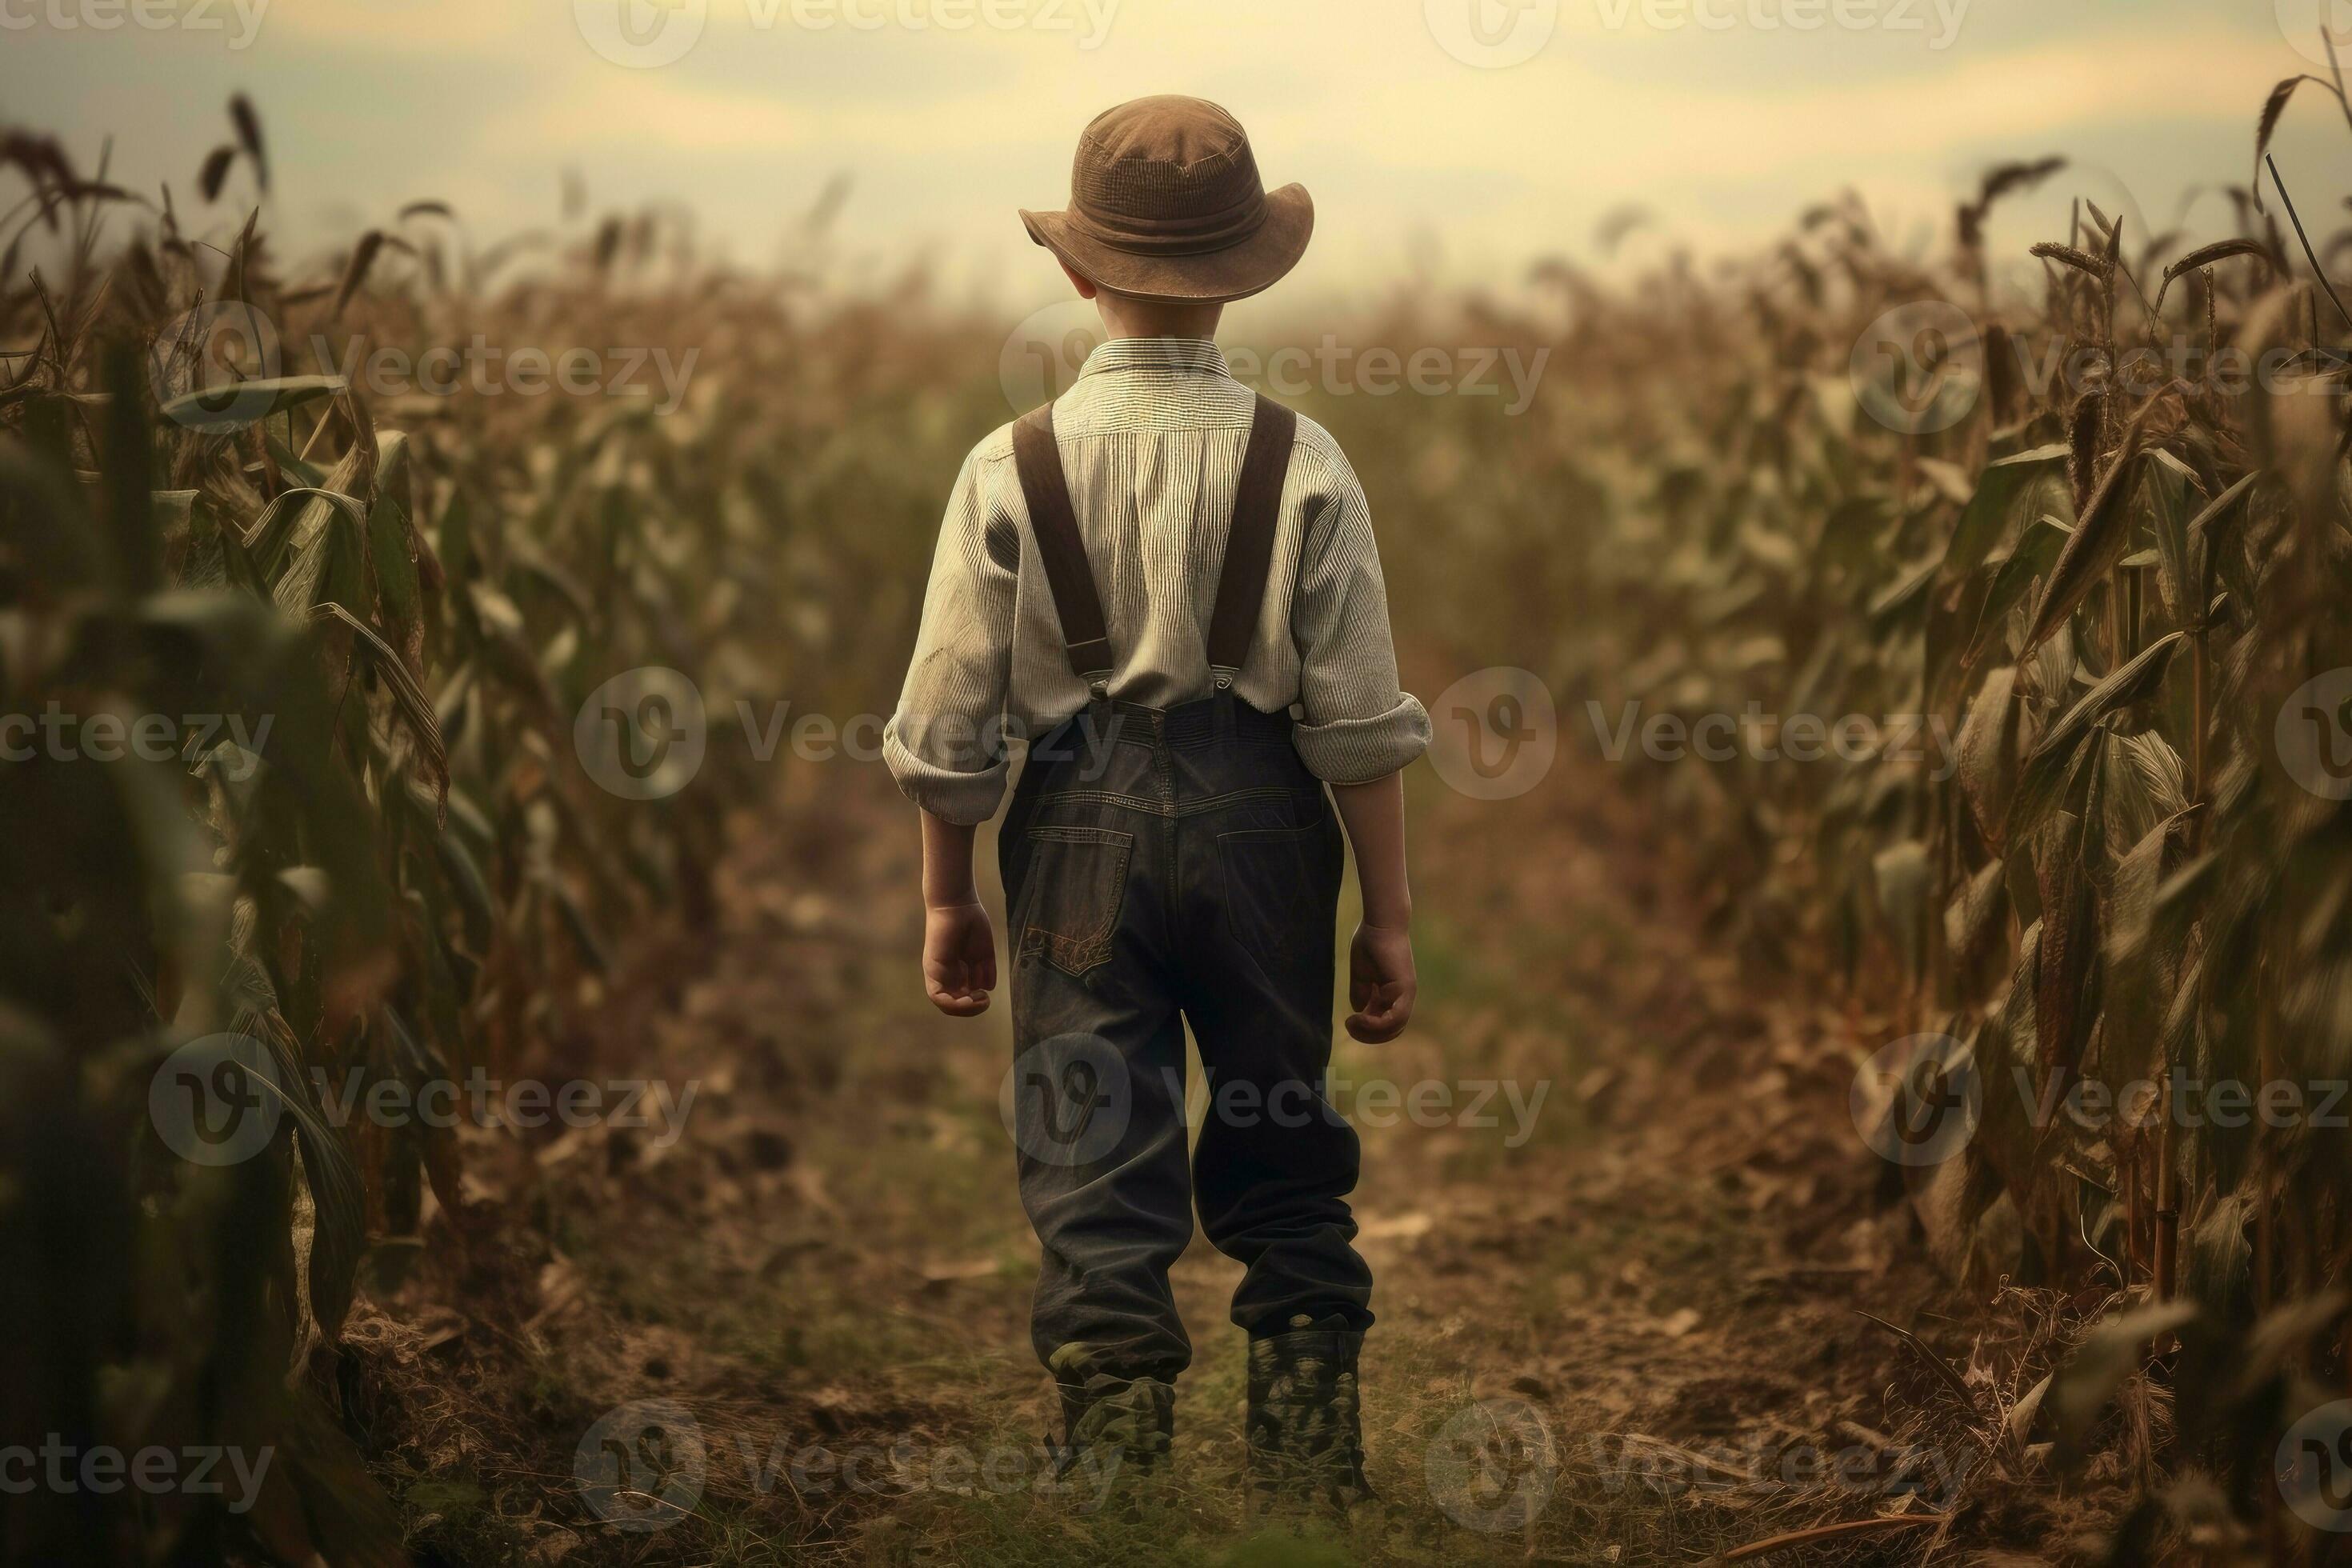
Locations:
(1620, 1265)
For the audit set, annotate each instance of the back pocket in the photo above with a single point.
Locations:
(1281, 890)
(1075, 882)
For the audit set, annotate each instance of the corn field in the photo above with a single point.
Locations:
(421, 879)
(2118, 592)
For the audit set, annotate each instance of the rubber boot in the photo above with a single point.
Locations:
(1117, 1429)
(1306, 1424)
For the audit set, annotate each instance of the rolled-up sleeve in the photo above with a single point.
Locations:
(945, 745)
(1359, 723)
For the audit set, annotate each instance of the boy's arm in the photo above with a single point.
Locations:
(941, 744)
(1360, 728)
(944, 744)
(958, 946)
(1382, 983)
(1359, 724)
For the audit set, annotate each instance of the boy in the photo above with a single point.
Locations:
(1158, 568)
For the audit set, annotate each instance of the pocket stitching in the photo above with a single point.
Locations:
(1075, 956)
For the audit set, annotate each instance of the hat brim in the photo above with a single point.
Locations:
(1209, 277)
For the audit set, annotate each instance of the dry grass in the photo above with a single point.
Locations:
(2108, 590)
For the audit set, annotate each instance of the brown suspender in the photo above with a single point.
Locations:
(1043, 484)
(1249, 546)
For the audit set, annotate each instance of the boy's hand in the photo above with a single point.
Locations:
(1381, 985)
(958, 959)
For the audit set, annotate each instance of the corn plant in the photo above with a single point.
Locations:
(368, 853)
(2119, 589)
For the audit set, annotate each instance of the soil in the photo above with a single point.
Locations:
(1625, 1241)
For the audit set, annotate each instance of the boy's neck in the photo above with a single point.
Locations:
(1129, 318)
(1208, 337)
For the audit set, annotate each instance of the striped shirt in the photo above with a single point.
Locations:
(1151, 435)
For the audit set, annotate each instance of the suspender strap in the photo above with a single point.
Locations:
(1047, 491)
(1249, 547)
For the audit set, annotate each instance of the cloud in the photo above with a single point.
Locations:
(439, 29)
(1724, 133)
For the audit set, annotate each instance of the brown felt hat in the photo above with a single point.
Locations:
(1166, 204)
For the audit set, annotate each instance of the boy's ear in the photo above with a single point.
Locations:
(1080, 281)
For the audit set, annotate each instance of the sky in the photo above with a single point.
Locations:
(1463, 139)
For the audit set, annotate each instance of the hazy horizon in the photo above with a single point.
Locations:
(1722, 119)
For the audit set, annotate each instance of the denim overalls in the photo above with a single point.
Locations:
(1166, 867)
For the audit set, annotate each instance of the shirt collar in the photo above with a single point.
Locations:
(1177, 356)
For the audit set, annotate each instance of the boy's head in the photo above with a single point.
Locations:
(1132, 316)
(1168, 219)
